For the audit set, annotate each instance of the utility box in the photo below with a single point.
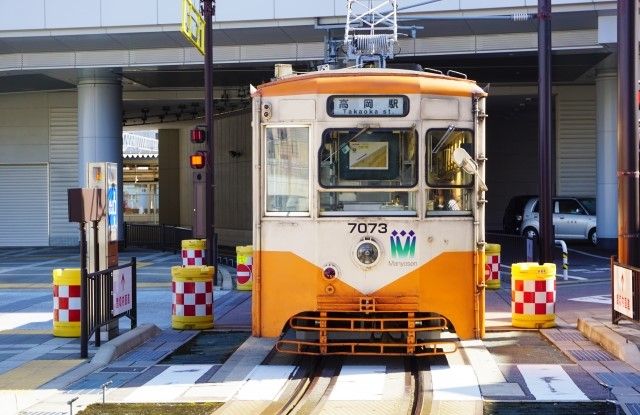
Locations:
(85, 205)
(104, 176)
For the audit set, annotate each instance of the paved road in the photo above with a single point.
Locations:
(33, 266)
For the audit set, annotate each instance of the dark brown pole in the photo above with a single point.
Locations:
(544, 131)
(208, 110)
(628, 223)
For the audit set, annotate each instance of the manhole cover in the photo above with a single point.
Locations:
(591, 355)
(124, 369)
(564, 336)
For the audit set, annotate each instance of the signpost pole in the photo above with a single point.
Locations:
(208, 9)
(544, 131)
(628, 201)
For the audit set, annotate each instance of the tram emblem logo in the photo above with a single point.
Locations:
(403, 244)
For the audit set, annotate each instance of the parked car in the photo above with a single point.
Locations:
(512, 218)
(573, 218)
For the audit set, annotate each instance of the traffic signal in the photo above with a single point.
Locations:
(198, 136)
(198, 159)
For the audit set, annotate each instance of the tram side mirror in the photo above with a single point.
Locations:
(468, 164)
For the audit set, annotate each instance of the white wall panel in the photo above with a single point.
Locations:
(22, 14)
(490, 4)
(292, 9)
(24, 218)
(72, 13)
(49, 60)
(63, 173)
(245, 10)
(129, 13)
(576, 141)
(24, 128)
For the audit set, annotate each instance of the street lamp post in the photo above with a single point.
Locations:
(628, 203)
(208, 13)
(544, 131)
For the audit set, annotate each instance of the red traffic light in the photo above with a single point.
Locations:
(198, 136)
(198, 160)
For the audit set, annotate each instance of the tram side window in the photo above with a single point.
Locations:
(450, 192)
(287, 169)
(365, 159)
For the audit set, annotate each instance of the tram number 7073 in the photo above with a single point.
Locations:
(367, 227)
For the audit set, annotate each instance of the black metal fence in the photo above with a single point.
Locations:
(98, 303)
(160, 237)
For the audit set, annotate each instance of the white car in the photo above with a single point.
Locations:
(573, 218)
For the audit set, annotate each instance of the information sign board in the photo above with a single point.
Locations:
(623, 291)
(122, 291)
(192, 25)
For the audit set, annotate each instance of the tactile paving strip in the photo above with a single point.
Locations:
(634, 408)
(560, 336)
(146, 355)
(620, 379)
(124, 369)
(591, 355)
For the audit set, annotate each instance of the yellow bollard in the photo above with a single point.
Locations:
(244, 267)
(66, 302)
(194, 252)
(192, 303)
(533, 295)
(492, 266)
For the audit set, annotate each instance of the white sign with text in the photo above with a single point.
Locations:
(122, 291)
(622, 291)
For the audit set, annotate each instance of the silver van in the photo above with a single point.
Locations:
(573, 218)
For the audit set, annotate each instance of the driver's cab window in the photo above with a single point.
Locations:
(450, 186)
(368, 172)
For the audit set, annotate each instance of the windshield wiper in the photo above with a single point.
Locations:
(445, 138)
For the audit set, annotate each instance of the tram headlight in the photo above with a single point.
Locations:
(367, 252)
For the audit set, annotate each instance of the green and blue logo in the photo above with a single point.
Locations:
(403, 244)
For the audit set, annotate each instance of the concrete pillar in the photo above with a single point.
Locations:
(169, 176)
(607, 158)
(100, 125)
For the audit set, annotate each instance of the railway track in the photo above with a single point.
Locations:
(343, 385)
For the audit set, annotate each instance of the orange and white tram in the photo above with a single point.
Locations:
(368, 213)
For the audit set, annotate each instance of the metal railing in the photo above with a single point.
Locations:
(97, 303)
(161, 237)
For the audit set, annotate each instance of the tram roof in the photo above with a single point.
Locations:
(362, 81)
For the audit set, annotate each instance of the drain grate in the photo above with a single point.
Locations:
(561, 336)
(591, 355)
(634, 408)
(124, 369)
(620, 379)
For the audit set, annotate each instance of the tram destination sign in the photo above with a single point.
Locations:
(368, 106)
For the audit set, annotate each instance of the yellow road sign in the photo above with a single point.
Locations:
(192, 25)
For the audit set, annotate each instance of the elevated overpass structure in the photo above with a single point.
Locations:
(75, 73)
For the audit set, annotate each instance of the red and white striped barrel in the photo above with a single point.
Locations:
(492, 266)
(533, 295)
(193, 257)
(66, 303)
(194, 252)
(192, 298)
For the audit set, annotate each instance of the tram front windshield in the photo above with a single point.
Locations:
(368, 172)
